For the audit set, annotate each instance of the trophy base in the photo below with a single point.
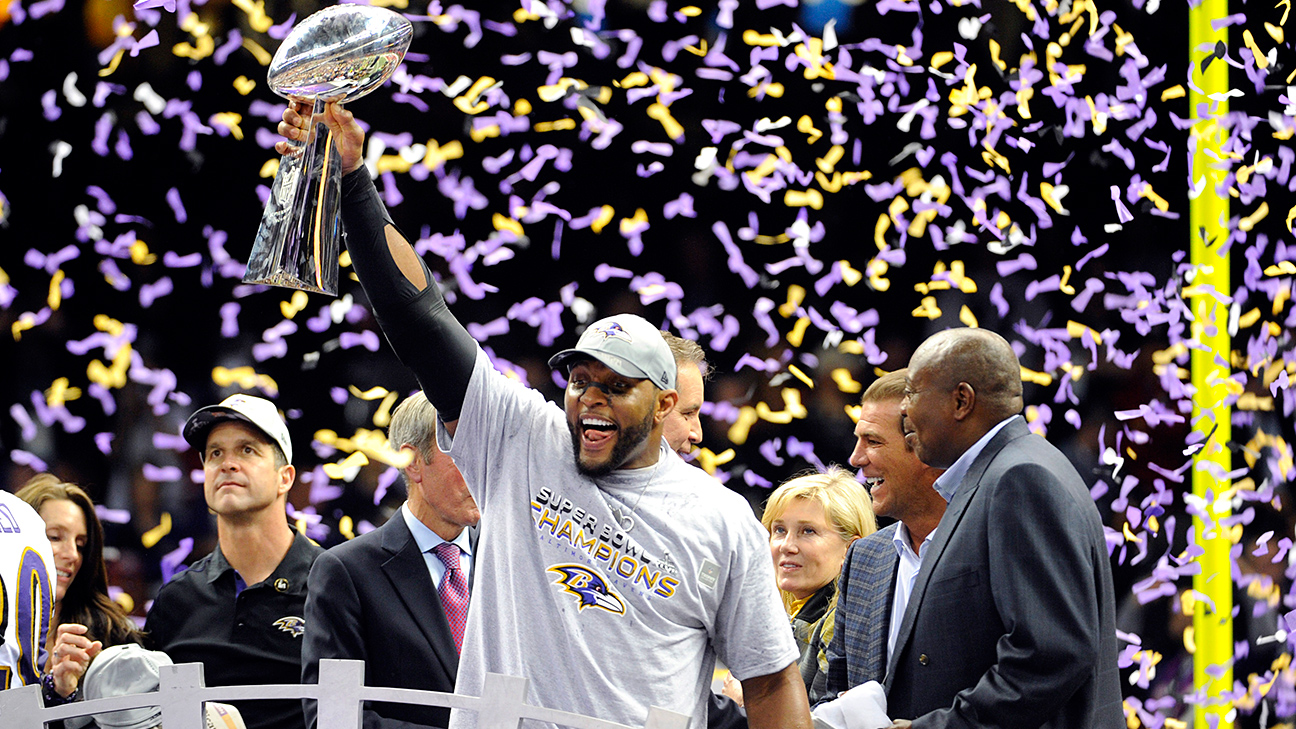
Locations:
(286, 280)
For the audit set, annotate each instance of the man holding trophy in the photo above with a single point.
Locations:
(554, 602)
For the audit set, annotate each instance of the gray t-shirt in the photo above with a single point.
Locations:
(605, 621)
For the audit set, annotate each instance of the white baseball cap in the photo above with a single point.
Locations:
(258, 412)
(627, 344)
(122, 670)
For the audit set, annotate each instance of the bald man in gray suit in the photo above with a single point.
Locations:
(1011, 622)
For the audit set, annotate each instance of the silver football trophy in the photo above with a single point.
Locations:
(337, 54)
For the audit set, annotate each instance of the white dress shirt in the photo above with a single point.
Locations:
(906, 573)
(427, 540)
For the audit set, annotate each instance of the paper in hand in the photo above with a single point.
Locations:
(862, 707)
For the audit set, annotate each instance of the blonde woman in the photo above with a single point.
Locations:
(812, 521)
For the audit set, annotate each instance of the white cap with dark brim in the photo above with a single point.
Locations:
(628, 345)
(257, 412)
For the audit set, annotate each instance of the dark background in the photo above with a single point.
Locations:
(1138, 270)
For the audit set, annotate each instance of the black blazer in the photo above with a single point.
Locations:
(372, 599)
(1012, 619)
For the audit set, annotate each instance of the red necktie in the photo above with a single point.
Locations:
(454, 591)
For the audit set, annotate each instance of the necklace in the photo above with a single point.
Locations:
(624, 520)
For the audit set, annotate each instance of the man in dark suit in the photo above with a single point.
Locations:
(878, 575)
(381, 597)
(1011, 622)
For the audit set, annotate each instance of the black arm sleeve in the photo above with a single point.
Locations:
(427, 338)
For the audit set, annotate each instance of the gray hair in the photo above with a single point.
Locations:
(687, 351)
(414, 424)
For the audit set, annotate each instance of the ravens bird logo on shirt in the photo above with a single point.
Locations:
(589, 587)
(292, 625)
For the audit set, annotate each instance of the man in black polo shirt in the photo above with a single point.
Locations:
(239, 610)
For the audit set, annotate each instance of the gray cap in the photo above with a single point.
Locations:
(627, 344)
(258, 412)
(122, 670)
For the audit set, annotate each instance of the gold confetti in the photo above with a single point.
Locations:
(246, 378)
(503, 223)
(111, 377)
(660, 113)
(810, 198)
(828, 162)
(293, 305)
(256, 13)
(928, 309)
(795, 336)
(797, 373)
(603, 219)
(261, 55)
(59, 393)
(708, 461)
(1039, 378)
(269, 169)
(796, 294)
(469, 102)
(338, 471)
(382, 418)
(792, 408)
(1247, 223)
(373, 393)
(752, 38)
(849, 275)
(244, 85)
(762, 170)
(55, 298)
(437, 155)
(483, 133)
(554, 92)
(1075, 330)
(139, 253)
(1049, 194)
(112, 65)
(1063, 286)
(805, 125)
(1161, 203)
(846, 382)
(202, 33)
(812, 53)
(994, 55)
(628, 225)
(151, 537)
(1261, 61)
(230, 121)
(346, 527)
(741, 427)
(967, 317)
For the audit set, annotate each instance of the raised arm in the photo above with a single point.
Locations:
(411, 311)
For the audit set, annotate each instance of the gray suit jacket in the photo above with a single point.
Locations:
(1012, 619)
(857, 653)
(372, 599)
